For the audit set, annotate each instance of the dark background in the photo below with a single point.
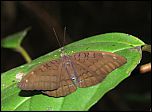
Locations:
(82, 19)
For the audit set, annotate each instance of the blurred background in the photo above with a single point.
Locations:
(82, 19)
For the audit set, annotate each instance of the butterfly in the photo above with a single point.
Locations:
(63, 76)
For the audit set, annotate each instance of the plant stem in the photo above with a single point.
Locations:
(23, 52)
(146, 48)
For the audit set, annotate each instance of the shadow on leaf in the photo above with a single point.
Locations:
(29, 93)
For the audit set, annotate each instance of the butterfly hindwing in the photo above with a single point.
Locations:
(66, 85)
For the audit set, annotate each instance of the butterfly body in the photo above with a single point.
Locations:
(62, 76)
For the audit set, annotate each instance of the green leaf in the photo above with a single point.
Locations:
(120, 43)
(14, 41)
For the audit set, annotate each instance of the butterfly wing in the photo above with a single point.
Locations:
(93, 66)
(66, 85)
(43, 77)
(54, 78)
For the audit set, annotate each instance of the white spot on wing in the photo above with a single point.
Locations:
(67, 63)
(103, 53)
(19, 76)
(114, 57)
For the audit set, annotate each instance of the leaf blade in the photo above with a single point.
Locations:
(14, 41)
(71, 102)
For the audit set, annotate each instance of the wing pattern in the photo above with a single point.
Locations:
(66, 85)
(62, 77)
(43, 77)
(93, 67)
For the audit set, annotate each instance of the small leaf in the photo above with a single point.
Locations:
(14, 41)
(83, 98)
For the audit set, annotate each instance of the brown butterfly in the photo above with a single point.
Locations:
(62, 76)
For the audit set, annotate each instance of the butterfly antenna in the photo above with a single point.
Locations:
(56, 37)
(64, 36)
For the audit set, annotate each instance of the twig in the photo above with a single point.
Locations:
(145, 68)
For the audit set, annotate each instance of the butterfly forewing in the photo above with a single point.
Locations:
(92, 67)
(43, 77)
